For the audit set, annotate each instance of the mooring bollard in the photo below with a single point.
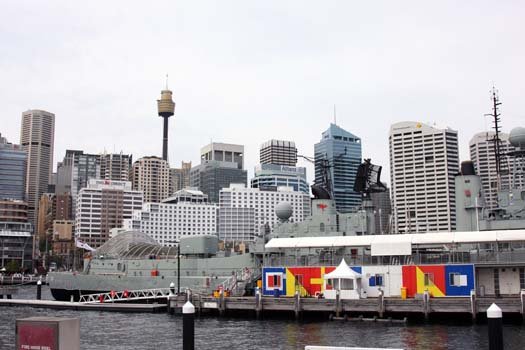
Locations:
(494, 318)
(188, 326)
(39, 289)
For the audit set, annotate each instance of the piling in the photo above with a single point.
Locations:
(494, 318)
(39, 289)
(473, 305)
(337, 303)
(297, 305)
(426, 304)
(522, 299)
(188, 326)
(258, 304)
(381, 301)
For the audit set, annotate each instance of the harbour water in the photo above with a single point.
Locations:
(106, 330)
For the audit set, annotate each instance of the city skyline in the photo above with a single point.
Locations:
(381, 70)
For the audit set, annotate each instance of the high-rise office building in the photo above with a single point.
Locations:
(273, 175)
(103, 205)
(483, 156)
(180, 177)
(115, 166)
(243, 211)
(339, 154)
(151, 176)
(13, 167)
(278, 152)
(75, 171)
(186, 213)
(37, 138)
(423, 163)
(382, 211)
(221, 165)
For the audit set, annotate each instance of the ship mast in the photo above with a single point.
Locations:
(496, 140)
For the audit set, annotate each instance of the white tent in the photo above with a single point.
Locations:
(343, 280)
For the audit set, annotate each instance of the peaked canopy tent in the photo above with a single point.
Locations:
(343, 280)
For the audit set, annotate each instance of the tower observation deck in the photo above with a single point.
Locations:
(166, 108)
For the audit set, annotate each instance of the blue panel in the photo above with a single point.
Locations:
(372, 281)
(358, 269)
(461, 270)
(272, 270)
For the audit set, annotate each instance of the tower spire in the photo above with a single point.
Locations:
(335, 116)
(166, 108)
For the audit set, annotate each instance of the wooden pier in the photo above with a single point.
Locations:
(380, 307)
(113, 307)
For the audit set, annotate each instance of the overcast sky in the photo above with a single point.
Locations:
(245, 71)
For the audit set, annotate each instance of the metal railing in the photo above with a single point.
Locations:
(124, 296)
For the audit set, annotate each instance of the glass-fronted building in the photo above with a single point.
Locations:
(340, 153)
(13, 163)
(273, 175)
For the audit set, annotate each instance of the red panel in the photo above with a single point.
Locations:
(439, 275)
(307, 274)
(410, 280)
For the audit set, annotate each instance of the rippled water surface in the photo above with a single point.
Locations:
(104, 330)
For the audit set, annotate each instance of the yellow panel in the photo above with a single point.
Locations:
(432, 289)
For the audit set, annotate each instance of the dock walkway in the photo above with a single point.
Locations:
(114, 307)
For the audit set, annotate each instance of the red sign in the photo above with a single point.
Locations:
(36, 336)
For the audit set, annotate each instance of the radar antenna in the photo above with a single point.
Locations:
(368, 179)
(324, 188)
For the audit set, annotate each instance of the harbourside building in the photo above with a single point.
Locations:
(151, 176)
(103, 205)
(37, 138)
(340, 152)
(278, 152)
(16, 235)
(423, 163)
(483, 156)
(186, 213)
(221, 165)
(244, 212)
(13, 166)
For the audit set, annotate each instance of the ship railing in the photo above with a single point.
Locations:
(125, 295)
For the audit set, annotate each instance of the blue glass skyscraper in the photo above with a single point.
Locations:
(340, 150)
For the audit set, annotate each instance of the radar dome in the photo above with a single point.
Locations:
(284, 211)
(517, 137)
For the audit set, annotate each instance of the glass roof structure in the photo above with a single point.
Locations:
(134, 245)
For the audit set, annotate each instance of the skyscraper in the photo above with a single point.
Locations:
(37, 138)
(272, 175)
(423, 163)
(13, 166)
(221, 165)
(151, 176)
(115, 166)
(339, 153)
(180, 177)
(278, 152)
(483, 156)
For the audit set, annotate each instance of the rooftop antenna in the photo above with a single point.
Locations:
(335, 115)
(166, 81)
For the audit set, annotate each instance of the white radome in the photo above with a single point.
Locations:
(283, 210)
(517, 137)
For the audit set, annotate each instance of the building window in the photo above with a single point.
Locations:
(428, 279)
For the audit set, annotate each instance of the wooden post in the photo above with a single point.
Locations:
(221, 303)
(426, 304)
(297, 305)
(473, 305)
(337, 303)
(258, 303)
(522, 298)
(381, 305)
(38, 289)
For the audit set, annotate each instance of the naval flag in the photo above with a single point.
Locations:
(81, 244)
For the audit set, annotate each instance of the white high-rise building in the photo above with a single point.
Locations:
(483, 156)
(186, 213)
(103, 205)
(243, 212)
(423, 163)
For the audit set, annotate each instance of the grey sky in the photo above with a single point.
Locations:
(245, 71)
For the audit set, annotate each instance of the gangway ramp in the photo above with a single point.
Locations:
(126, 295)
